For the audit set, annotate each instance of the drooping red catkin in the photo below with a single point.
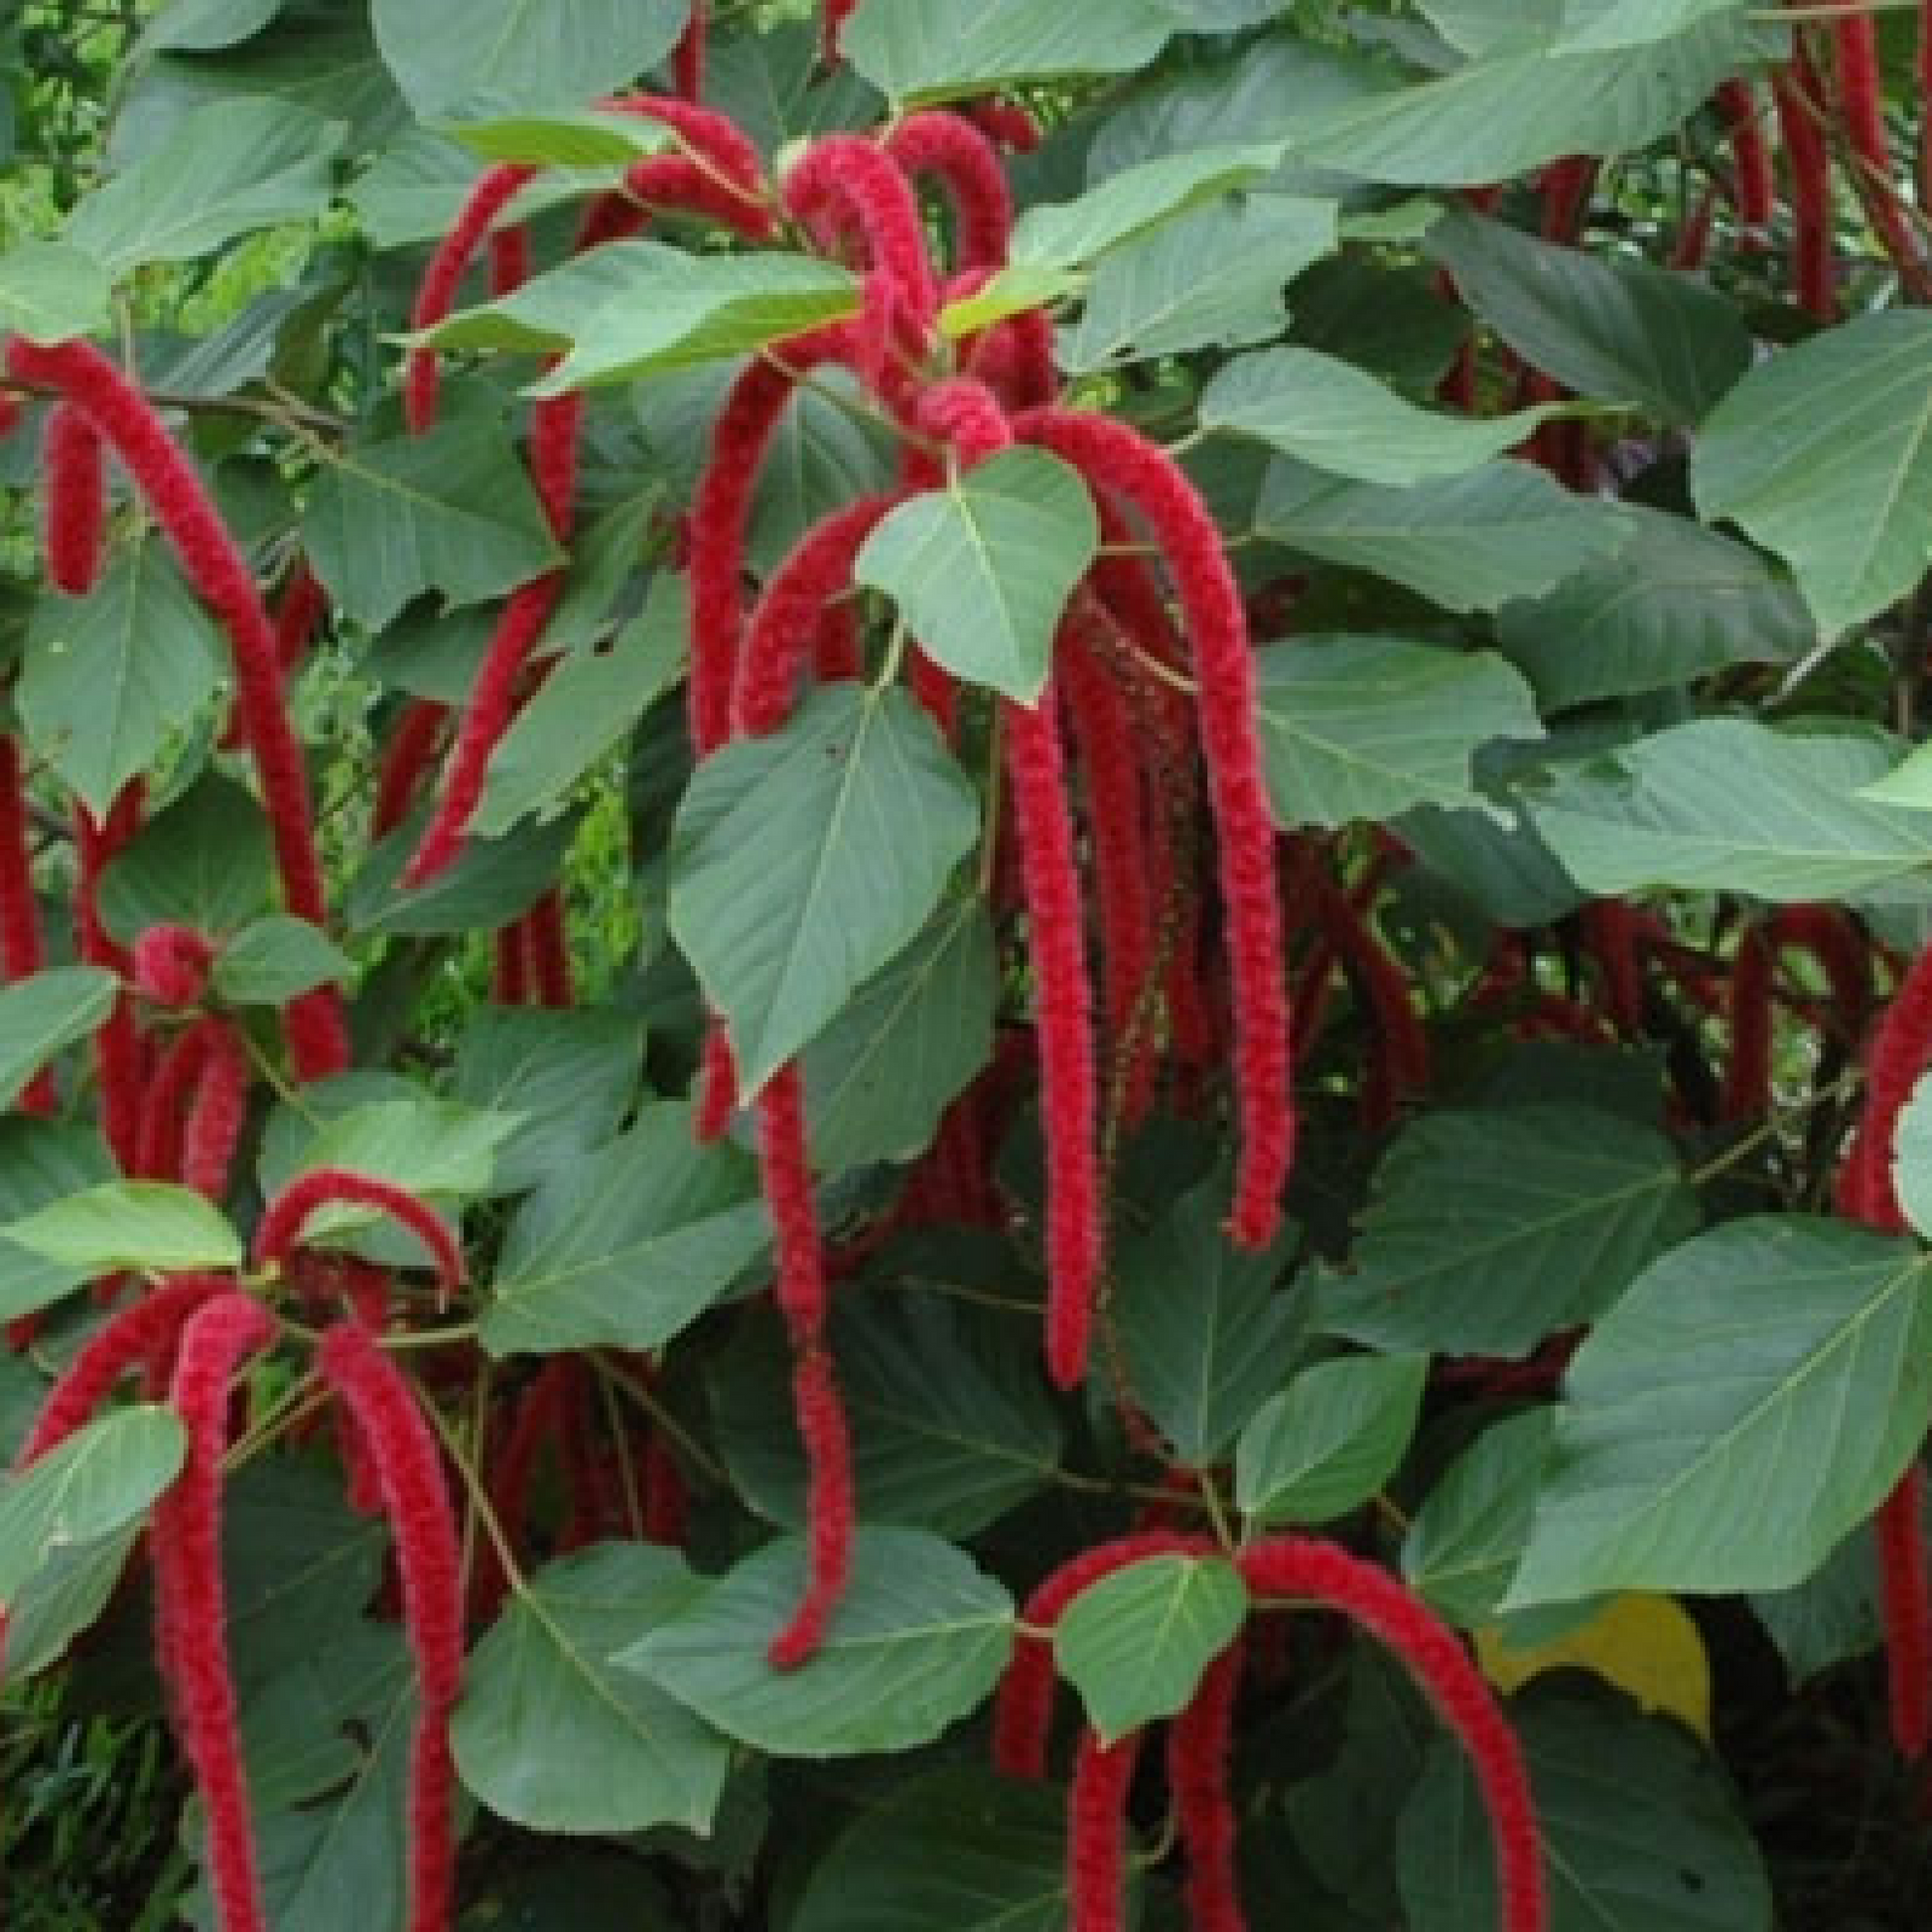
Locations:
(303, 606)
(951, 148)
(1023, 1709)
(837, 12)
(667, 1503)
(494, 191)
(720, 520)
(171, 964)
(1096, 1833)
(513, 1470)
(76, 502)
(215, 1118)
(406, 760)
(119, 1056)
(1005, 122)
(1119, 460)
(548, 942)
(20, 949)
(1200, 1744)
(838, 654)
(510, 976)
(189, 1597)
(1747, 1093)
(164, 1101)
(784, 623)
(510, 260)
(1800, 104)
(429, 1558)
(1302, 1566)
(1900, 1050)
(1566, 188)
(486, 716)
(687, 58)
(1828, 936)
(166, 478)
(134, 1337)
(1861, 114)
(1377, 975)
(847, 183)
(1754, 191)
(1906, 1602)
(717, 1098)
(1610, 931)
(287, 1214)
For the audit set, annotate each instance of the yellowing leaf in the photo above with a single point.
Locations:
(1645, 1645)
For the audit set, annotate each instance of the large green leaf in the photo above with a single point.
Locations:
(951, 1423)
(51, 292)
(144, 1226)
(1469, 543)
(1502, 116)
(568, 1078)
(40, 1015)
(1207, 1333)
(1489, 1229)
(553, 1737)
(1618, 329)
(1210, 278)
(981, 570)
(1466, 1541)
(919, 1639)
(927, 49)
(204, 863)
(904, 1048)
(450, 511)
(1753, 1396)
(1340, 420)
(218, 176)
(625, 1246)
(108, 678)
(1330, 1440)
(99, 1480)
(1639, 1829)
(1823, 454)
(1677, 601)
(954, 1850)
(579, 137)
(473, 58)
(803, 862)
(1729, 804)
(201, 25)
(1364, 728)
(42, 1161)
(1134, 1644)
(271, 960)
(493, 881)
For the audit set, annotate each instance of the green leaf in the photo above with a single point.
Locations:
(140, 1226)
(1489, 1229)
(1134, 1644)
(583, 711)
(1503, 117)
(1212, 278)
(1364, 728)
(256, 163)
(493, 881)
(918, 1640)
(1620, 331)
(1464, 1545)
(1730, 804)
(551, 1736)
(203, 863)
(1823, 454)
(452, 511)
(982, 569)
(583, 137)
(271, 960)
(43, 1161)
(1209, 1338)
(1752, 1398)
(1676, 603)
(1340, 419)
(1009, 291)
(99, 1480)
(905, 1045)
(1128, 204)
(1330, 1440)
(931, 50)
(473, 58)
(951, 1423)
(1640, 1832)
(198, 26)
(567, 1078)
(51, 292)
(40, 1015)
(1468, 543)
(953, 1850)
(628, 1245)
(62, 1597)
(108, 678)
(804, 862)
